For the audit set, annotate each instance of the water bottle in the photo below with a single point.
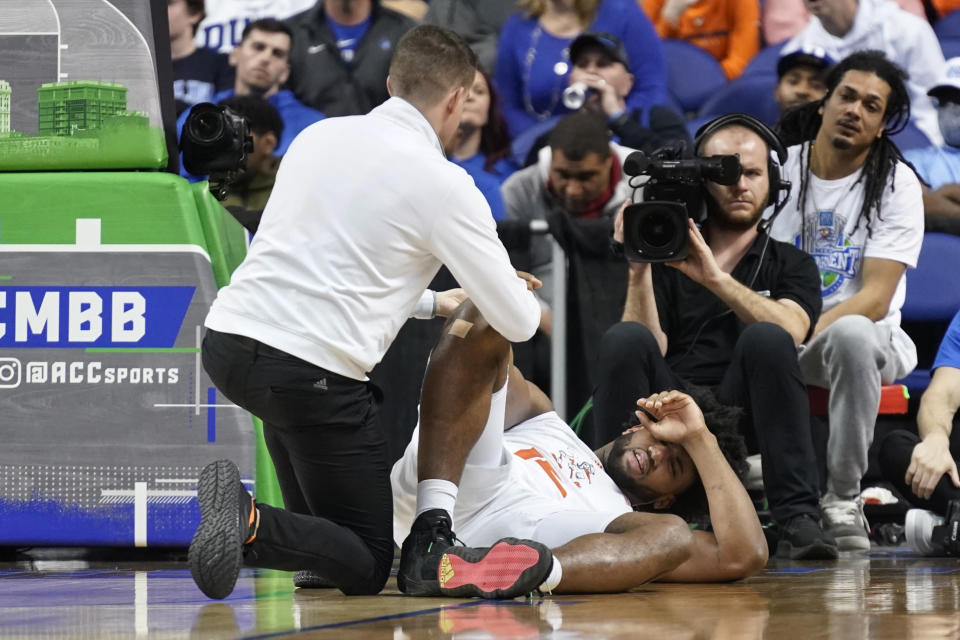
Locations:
(575, 95)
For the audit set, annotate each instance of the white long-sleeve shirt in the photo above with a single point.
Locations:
(907, 40)
(364, 211)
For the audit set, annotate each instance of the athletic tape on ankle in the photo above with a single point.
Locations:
(460, 328)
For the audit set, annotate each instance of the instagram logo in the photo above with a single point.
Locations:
(9, 373)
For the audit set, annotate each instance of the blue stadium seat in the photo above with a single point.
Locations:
(693, 75)
(932, 291)
(948, 26)
(765, 62)
(911, 138)
(950, 46)
(752, 95)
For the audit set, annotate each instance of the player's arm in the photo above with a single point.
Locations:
(737, 547)
(880, 279)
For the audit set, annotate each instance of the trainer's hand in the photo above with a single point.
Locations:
(677, 418)
(449, 300)
(929, 461)
(532, 281)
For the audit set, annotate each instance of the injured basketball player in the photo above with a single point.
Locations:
(609, 516)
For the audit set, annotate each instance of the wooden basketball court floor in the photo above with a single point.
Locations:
(890, 593)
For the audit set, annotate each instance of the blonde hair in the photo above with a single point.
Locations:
(586, 10)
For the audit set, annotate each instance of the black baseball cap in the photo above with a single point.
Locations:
(814, 57)
(610, 44)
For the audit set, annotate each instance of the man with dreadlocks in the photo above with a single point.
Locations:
(857, 208)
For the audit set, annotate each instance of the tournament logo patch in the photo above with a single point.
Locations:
(836, 259)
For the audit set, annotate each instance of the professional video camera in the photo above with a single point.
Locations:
(215, 141)
(655, 230)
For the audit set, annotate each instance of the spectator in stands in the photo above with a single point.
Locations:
(924, 469)
(248, 196)
(341, 54)
(729, 316)
(477, 21)
(783, 19)
(579, 175)
(600, 64)
(726, 29)
(533, 59)
(857, 208)
(483, 148)
(261, 61)
(940, 166)
(222, 28)
(800, 78)
(842, 27)
(198, 73)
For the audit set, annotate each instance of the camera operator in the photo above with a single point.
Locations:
(729, 316)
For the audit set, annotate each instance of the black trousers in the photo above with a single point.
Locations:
(330, 454)
(763, 378)
(894, 454)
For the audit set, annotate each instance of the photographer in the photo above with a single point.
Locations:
(728, 316)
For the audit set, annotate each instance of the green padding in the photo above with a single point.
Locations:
(226, 239)
(134, 208)
(123, 142)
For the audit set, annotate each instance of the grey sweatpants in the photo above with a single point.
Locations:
(852, 358)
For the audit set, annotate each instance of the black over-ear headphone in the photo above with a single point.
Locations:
(768, 135)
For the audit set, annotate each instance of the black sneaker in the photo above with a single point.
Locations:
(430, 564)
(802, 538)
(306, 579)
(226, 522)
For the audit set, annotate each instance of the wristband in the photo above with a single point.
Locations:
(426, 307)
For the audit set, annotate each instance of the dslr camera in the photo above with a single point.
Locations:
(215, 141)
(655, 230)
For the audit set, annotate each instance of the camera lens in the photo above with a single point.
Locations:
(206, 126)
(658, 230)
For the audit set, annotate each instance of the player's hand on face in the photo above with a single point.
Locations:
(532, 281)
(676, 417)
(449, 300)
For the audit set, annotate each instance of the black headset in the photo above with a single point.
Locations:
(768, 135)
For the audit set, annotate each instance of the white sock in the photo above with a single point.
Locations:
(436, 494)
(556, 573)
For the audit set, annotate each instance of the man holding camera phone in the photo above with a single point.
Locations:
(729, 315)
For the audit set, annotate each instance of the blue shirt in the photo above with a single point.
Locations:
(488, 181)
(949, 353)
(621, 18)
(937, 165)
(348, 36)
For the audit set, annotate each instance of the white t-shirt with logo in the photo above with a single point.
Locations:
(828, 229)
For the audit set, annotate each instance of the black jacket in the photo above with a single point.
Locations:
(321, 79)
